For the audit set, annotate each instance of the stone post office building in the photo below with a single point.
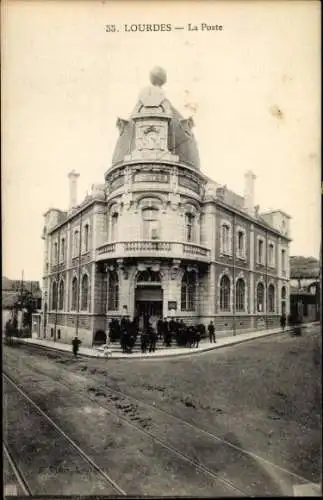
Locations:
(160, 237)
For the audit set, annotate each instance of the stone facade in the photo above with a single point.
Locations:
(160, 238)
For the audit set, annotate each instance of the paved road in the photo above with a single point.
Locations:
(260, 397)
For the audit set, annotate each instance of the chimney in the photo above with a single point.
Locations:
(249, 192)
(73, 176)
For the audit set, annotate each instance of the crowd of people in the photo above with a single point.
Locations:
(169, 331)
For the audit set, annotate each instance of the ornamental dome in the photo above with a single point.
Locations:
(153, 106)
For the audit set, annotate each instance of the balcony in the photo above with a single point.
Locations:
(152, 248)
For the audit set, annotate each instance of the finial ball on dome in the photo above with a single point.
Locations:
(158, 76)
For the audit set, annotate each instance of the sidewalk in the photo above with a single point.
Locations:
(205, 346)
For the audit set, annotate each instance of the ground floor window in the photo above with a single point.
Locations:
(188, 291)
(113, 291)
(240, 295)
(271, 298)
(260, 297)
(225, 293)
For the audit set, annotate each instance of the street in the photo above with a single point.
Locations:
(243, 420)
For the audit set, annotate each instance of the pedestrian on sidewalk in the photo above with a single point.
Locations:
(283, 321)
(211, 331)
(76, 344)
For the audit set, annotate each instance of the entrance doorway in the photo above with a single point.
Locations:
(148, 305)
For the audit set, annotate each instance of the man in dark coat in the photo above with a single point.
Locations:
(211, 331)
(283, 321)
(76, 344)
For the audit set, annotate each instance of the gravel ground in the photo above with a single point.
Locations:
(264, 396)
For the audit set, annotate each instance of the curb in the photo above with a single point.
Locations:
(236, 341)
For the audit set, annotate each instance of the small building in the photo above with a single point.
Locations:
(159, 238)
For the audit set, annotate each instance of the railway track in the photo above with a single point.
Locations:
(183, 456)
(194, 427)
(17, 470)
(19, 477)
(233, 488)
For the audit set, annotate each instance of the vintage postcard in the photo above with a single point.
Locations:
(161, 248)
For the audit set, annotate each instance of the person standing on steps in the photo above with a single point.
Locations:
(211, 331)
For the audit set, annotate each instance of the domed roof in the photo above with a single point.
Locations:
(153, 104)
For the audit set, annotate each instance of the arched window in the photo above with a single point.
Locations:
(114, 226)
(61, 295)
(271, 298)
(260, 297)
(188, 291)
(226, 239)
(74, 294)
(189, 227)
(86, 238)
(225, 293)
(240, 295)
(113, 291)
(151, 228)
(54, 295)
(84, 292)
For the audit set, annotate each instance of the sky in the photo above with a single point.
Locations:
(253, 90)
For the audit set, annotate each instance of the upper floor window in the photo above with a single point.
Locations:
(151, 228)
(86, 238)
(260, 252)
(271, 254)
(76, 243)
(283, 260)
(241, 244)
(188, 291)
(189, 227)
(55, 252)
(62, 249)
(226, 239)
(114, 226)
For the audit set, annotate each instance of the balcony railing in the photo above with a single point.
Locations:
(151, 248)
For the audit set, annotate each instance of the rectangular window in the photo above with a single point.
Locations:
(260, 251)
(271, 259)
(241, 245)
(283, 261)
(62, 249)
(225, 238)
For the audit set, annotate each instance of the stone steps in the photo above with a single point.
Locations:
(116, 347)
